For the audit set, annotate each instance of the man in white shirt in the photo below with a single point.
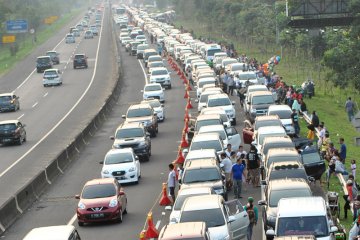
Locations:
(227, 166)
(240, 151)
(228, 150)
(171, 182)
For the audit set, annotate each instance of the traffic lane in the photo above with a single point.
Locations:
(42, 112)
(49, 211)
(12, 79)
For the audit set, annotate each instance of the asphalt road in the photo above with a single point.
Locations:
(54, 115)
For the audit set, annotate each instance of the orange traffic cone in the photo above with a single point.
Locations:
(169, 60)
(164, 200)
(186, 94)
(142, 235)
(186, 127)
(180, 159)
(189, 105)
(188, 87)
(179, 72)
(184, 142)
(151, 231)
(174, 66)
(186, 117)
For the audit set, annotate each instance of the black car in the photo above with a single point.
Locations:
(12, 131)
(9, 102)
(80, 60)
(43, 63)
(313, 162)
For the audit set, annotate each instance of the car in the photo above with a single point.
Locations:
(125, 40)
(284, 112)
(154, 90)
(203, 120)
(9, 102)
(94, 30)
(135, 136)
(286, 169)
(160, 75)
(62, 232)
(313, 162)
(258, 104)
(187, 230)
(80, 60)
(226, 121)
(246, 78)
(153, 58)
(121, 164)
(234, 68)
(207, 141)
(202, 101)
(69, 38)
(54, 56)
(52, 77)
(76, 32)
(140, 50)
(80, 27)
(224, 220)
(98, 23)
(202, 82)
(101, 200)
(88, 34)
(141, 38)
(43, 63)
(182, 195)
(223, 100)
(154, 65)
(133, 48)
(268, 131)
(234, 139)
(250, 130)
(144, 114)
(147, 53)
(158, 108)
(12, 131)
(277, 189)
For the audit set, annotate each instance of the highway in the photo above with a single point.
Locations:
(54, 115)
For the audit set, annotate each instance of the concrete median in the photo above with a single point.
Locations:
(8, 214)
(26, 196)
(63, 160)
(52, 170)
(39, 183)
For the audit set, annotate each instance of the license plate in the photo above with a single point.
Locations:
(7, 140)
(97, 215)
(120, 178)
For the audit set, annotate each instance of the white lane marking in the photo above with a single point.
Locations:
(34, 104)
(46, 94)
(20, 116)
(145, 75)
(63, 118)
(72, 220)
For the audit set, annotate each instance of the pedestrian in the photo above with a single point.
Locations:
(253, 166)
(325, 144)
(233, 157)
(295, 122)
(231, 84)
(225, 82)
(311, 132)
(349, 107)
(339, 166)
(226, 166)
(241, 151)
(172, 181)
(303, 107)
(342, 151)
(296, 106)
(228, 150)
(151, 38)
(348, 197)
(236, 174)
(353, 168)
(315, 119)
(253, 214)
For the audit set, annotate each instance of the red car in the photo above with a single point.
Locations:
(101, 200)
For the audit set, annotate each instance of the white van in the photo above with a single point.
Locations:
(64, 232)
(303, 216)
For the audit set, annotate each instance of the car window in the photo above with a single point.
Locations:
(212, 144)
(202, 83)
(152, 88)
(46, 73)
(98, 191)
(288, 173)
(272, 159)
(270, 145)
(139, 112)
(79, 56)
(234, 207)
(266, 123)
(5, 99)
(276, 195)
(313, 225)
(201, 175)
(221, 133)
(129, 133)
(206, 122)
(155, 104)
(264, 99)
(118, 158)
(155, 58)
(43, 60)
(159, 72)
(218, 102)
(8, 127)
(212, 217)
(156, 64)
(312, 157)
(283, 114)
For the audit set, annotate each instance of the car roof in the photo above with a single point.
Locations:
(191, 190)
(9, 122)
(301, 207)
(267, 118)
(201, 153)
(208, 116)
(128, 125)
(51, 70)
(210, 128)
(6, 94)
(277, 139)
(119, 150)
(50, 233)
(287, 183)
(202, 202)
(261, 93)
(279, 107)
(271, 129)
(149, 50)
(217, 96)
(99, 181)
(183, 230)
(282, 151)
(257, 86)
(286, 165)
(158, 68)
(214, 110)
(152, 84)
(140, 105)
(44, 56)
(206, 137)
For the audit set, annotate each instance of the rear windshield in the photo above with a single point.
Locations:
(288, 173)
(201, 84)
(47, 73)
(5, 99)
(272, 159)
(129, 133)
(159, 72)
(98, 191)
(156, 64)
(212, 217)
(271, 123)
(265, 99)
(43, 60)
(139, 112)
(213, 144)
(219, 102)
(79, 56)
(276, 195)
(201, 175)
(208, 122)
(152, 88)
(283, 114)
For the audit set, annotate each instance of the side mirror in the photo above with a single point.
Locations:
(231, 219)
(102, 162)
(123, 116)
(233, 102)
(334, 229)
(262, 202)
(270, 232)
(112, 138)
(77, 196)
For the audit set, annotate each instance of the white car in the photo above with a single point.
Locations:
(160, 75)
(158, 108)
(219, 110)
(202, 82)
(154, 90)
(245, 78)
(121, 164)
(227, 135)
(52, 77)
(202, 101)
(284, 112)
(222, 100)
(182, 195)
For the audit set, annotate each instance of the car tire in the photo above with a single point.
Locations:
(24, 140)
(18, 108)
(169, 87)
(233, 122)
(80, 224)
(20, 141)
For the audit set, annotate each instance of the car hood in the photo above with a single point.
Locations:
(118, 167)
(220, 232)
(97, 202)
(286, 121)
(139, 119)
(128, 141)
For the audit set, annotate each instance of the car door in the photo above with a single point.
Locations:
(233, 138)
(248, 132)
(238, 227)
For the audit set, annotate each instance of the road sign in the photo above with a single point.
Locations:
(9, 39)
(16, 26)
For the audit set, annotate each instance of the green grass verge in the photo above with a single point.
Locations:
(296, 68)
(26, 45)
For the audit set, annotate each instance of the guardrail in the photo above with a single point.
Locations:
(13, 208)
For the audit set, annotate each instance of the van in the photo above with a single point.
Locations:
(303, 215)
(147, 53)
(186, 230)
(64, 232)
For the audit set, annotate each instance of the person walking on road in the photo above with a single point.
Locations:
(295, 122)
(253, 214)
(253, 165)
(349, 107)
(231, 84)
(227, 164)
(236, 174)
(172, 181)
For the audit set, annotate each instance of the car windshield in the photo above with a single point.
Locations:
(142, 47)
(152, 88)
(155, 59)
(221, 133)
(202, 83)
(139, 112)
(283, 114)
(156, 64)
(155, 104)
(98, 191)
(219, 102)
(206, 122)
(246, 76)
(43, 60)
(51, 54)
(264, 99)
(129, 133)
(270, 123)
(79, 56)
(284, 158)
(140, 37)
(288, 173)
(181, 199)
(159, 72)
(211, 52)
(8, 127)
(311, 157)
(117, 158)
(5, 99)
(238, 67)
(201, 175)
(313, 225)
(212, 217)
(212, 144)
(276, 195)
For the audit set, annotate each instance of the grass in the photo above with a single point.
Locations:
(329, 101)
(26, 45)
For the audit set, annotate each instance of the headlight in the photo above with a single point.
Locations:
(132, 169)
(113, 202)
(105, 172)
(253, 110)
(219, 191)
(81, 206)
